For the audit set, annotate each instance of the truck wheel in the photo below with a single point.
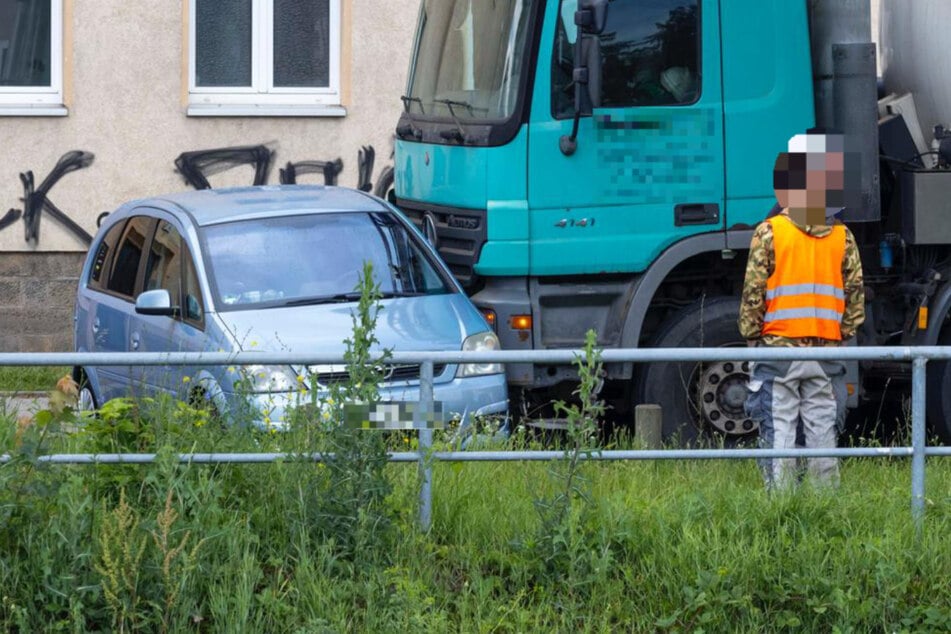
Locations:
(384, 185)
(700, 401)
(938, 395)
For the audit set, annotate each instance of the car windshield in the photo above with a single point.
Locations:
(469, 58)
(313, 259)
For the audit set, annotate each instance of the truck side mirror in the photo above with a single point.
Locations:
(588, 76)
(591, 16)
(590, 19)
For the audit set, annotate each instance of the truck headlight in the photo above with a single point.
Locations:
(481, 342)
(270, 378)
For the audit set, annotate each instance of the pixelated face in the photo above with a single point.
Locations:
(811, 183)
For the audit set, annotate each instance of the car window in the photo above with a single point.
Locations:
(125, 267)
(193, 309)
(277, 261)
(163, 268)
(104, 252)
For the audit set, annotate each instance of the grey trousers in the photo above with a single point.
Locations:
(786, 394)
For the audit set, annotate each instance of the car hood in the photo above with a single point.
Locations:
(436, 322)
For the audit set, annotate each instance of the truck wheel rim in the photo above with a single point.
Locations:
(720, 397)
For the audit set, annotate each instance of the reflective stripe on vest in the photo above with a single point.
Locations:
(805, 289)
(805, 296)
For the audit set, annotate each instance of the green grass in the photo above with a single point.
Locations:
(30, 378)
(672, 546)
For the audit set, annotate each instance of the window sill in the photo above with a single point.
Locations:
(45, 110)
(250, 110)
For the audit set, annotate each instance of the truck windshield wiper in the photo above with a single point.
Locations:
(407, 100)
(462, 104)
(459, 134)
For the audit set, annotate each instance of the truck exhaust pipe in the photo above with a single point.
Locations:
(846, 92)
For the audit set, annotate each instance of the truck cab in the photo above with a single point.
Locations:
(609, 178)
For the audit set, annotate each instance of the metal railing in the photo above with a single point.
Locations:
(918, 451)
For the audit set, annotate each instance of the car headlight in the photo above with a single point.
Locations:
(481, 342)
(270, 378)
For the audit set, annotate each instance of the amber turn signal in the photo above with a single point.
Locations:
(521, 322)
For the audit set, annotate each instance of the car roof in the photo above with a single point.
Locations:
(213, 206)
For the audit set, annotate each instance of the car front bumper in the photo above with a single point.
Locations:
(461, 399)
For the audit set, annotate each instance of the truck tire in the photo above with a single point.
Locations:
(384, 185)
(938, 395)
(702, 403)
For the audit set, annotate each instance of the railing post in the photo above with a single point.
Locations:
(918, 441)
(425, 444)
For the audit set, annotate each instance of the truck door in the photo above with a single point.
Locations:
(648, 169)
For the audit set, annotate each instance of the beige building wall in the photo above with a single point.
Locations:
(125, 83)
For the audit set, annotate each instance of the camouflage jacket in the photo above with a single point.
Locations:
(761, 264)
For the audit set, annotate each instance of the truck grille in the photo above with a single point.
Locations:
(460, 235)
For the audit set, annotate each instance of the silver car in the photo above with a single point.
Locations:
(270, 269)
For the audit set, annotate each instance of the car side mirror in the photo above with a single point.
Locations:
(157, 302)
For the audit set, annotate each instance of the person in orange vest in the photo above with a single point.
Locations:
(803, 287)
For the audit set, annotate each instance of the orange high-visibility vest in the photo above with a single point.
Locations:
(805, 296)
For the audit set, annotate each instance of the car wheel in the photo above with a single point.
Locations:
(199, 399)
(86, 402)
(700, 402)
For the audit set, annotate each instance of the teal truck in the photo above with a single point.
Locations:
(594, 164)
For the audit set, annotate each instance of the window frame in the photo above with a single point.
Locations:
(262, 97)
(41, 100)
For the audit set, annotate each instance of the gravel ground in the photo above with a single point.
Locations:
(22, 404)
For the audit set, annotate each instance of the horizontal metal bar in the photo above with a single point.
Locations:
(637, 355)
(501, 456)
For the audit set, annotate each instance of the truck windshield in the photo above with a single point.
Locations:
(469, 58)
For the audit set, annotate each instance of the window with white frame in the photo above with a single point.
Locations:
(267, 57)
(31, 57)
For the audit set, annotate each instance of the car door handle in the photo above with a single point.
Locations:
(696, 214)
(135, 341)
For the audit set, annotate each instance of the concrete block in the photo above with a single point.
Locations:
(648, 423)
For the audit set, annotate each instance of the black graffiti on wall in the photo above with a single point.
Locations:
(198, 165)
(36, 199)
(331, 169)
